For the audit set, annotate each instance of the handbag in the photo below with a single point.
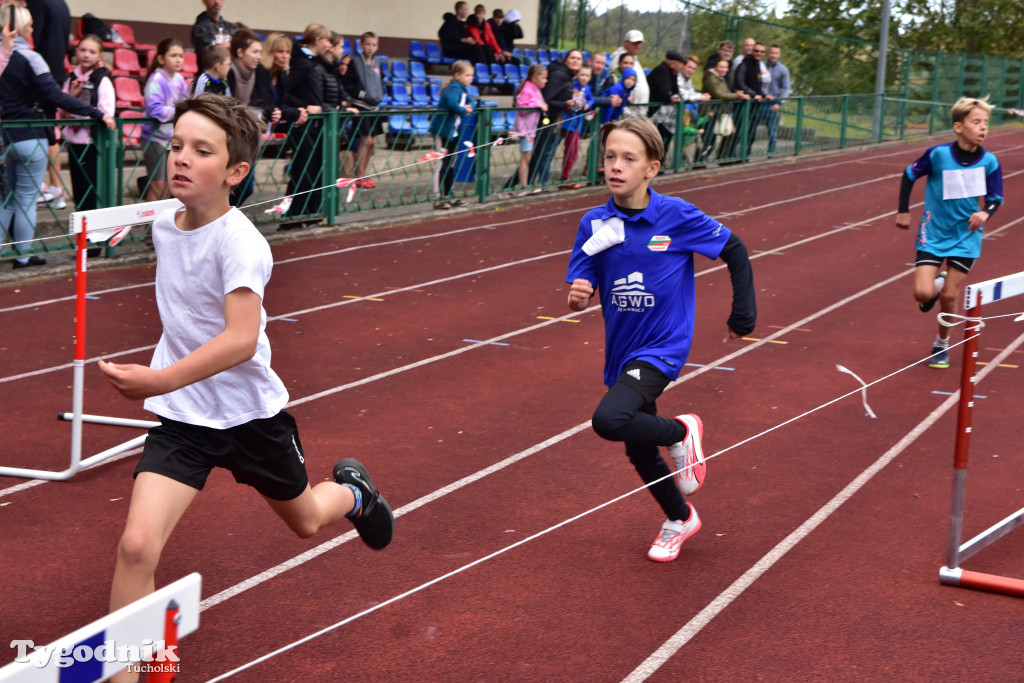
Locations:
(724, 126)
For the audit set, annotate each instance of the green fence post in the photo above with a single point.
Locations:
(798, 143)
(593, 150)
(108, 146)
(844, 121)
(677, 146)
(483, 153)
(329, 172)
(935, 92)
(963, 75)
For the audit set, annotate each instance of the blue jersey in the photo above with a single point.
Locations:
(943, 230)
(642, 267)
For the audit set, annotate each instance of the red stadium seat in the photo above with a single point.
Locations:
(128, 36)
(126, 63)
(191, 67)
(128, 92)
(131, 132)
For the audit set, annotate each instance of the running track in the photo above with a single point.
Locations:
(442, 354)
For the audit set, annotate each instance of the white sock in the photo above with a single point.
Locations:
(944, 343)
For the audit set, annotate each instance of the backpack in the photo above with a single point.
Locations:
(94, 25)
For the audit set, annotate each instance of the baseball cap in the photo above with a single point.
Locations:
(634, 36)
(513, 15)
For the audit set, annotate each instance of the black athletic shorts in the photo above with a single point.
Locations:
(961, 263)
(265, 454)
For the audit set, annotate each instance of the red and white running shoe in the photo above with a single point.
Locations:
(688, 456)
(670, 539)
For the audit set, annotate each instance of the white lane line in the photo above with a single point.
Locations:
(726, 597)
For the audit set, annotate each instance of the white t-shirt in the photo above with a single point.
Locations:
(195, 270)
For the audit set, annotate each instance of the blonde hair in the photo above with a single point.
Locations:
(648, 133)
(965, 105)
(534, 71)
(21, 16)
(270, 47)
(315, 32)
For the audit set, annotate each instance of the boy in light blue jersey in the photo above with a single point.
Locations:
(638, 250)
(964, 189)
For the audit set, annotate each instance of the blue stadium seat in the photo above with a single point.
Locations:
(497, 74)
(586, 57)
(417, 50)
(498, 121)
(420, 124)
(531, 55)
(417, 72)
(473, 91)
(512, 74)
(346, 47)
(445, 59)
(435, 93)
(523, 71)
(518, 54)
(543, 57)
(420, 96)
(400, 95)
(433, 53)
(483, 74)
(399, 72)
(359, 46)
(385, 69)
(399, 123)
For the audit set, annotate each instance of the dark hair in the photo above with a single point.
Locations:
(242, 125)
(654, 146)
(242, 40)
(214, 55)
(162, 48)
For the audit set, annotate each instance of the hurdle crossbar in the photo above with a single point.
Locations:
(97, 220)
(143, 635)
(952, 574)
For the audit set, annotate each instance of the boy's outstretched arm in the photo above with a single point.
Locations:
(744, 302)
(236, 344)
(903, 212)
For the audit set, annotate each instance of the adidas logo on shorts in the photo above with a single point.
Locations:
(634, 373)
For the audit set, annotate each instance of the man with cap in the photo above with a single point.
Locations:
(631, 43)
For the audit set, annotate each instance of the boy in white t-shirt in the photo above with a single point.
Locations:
(220, 404)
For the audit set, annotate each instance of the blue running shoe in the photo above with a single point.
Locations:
(940, 358)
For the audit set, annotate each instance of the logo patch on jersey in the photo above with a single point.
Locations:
(659, 243)
(629, 294)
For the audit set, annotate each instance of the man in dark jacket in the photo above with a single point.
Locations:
(211, 28)
(748, 78)
(664, 82)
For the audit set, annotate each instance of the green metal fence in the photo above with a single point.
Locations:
(395, 152)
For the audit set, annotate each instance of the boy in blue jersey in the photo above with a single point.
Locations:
(959, 173)
(637, 250)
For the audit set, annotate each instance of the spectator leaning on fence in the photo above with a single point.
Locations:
(455, 102)
(364, 83)
(26, 84)
(778, 90)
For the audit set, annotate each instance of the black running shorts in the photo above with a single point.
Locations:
(961, 263)
(265, 454)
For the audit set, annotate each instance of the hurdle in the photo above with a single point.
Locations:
(100, 221)
(143, 635)
(952, 574)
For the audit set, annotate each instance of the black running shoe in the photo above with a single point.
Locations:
(375, 521)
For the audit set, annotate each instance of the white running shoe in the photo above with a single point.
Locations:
(670, 540)
(688, 456)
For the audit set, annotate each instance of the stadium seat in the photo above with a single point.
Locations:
(497, 74)
(586, 57)
(523, 72)
(359, 46)
(417, 51)
(512, 74)
(445, 59)
(385, 69)
(420, 96)
(399, 71)
(530, 54)
(131, 133)
(518, 54)
(498, 121)
(126, 63)
(433, 53)
(435, 94)
(543, 57)
(483, 74)
(128, 93)
(398, 123)
(128, 36)
(417, 72)
(400, 95)
(420, 124)
(191, 67)
(346, 47)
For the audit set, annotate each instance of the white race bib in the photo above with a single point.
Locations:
(605, 234)
(963, 183)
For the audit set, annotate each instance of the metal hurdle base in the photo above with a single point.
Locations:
(979, 581)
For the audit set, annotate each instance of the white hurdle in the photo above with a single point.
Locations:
(97, 221)
(143, 635)
(952, 574)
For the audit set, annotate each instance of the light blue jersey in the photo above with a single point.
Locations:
(642, 267)
(951, 196)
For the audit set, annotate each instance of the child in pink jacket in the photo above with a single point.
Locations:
(525, 127)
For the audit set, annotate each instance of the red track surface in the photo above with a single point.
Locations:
(855, 597)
